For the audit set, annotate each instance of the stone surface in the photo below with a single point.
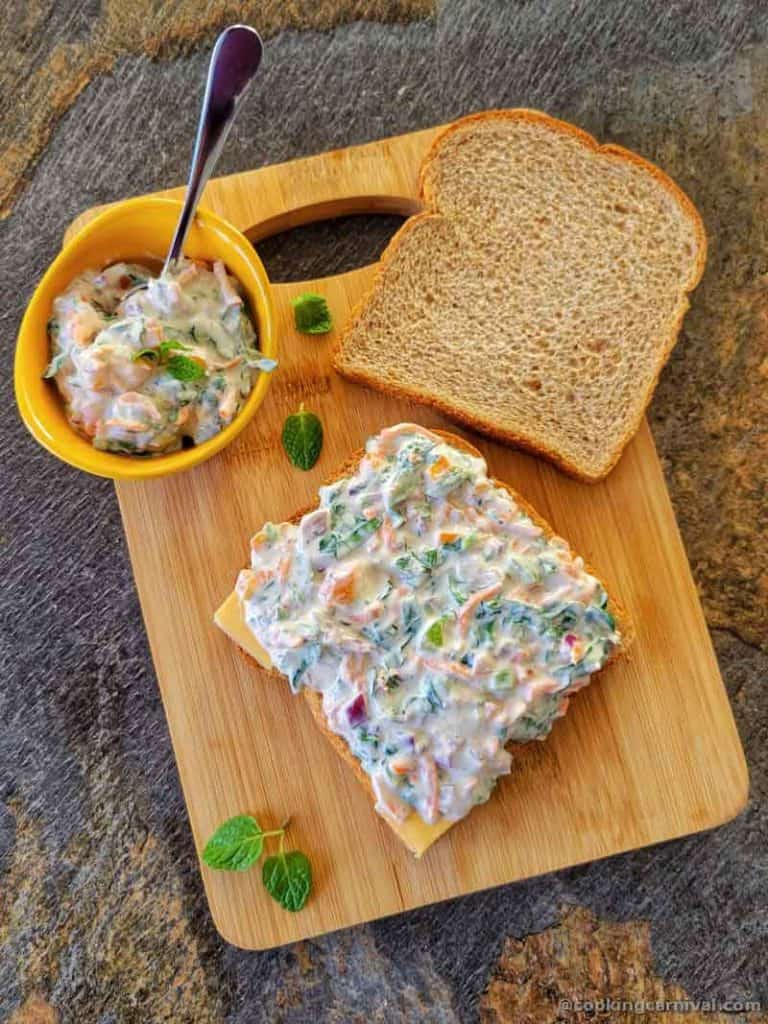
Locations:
(53, 50)
(585, 970)
(102, 918)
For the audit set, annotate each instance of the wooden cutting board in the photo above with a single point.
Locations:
(647, 753)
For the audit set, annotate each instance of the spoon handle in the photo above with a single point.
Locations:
(234, 61)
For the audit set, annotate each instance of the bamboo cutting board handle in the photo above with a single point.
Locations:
(380, 177)
(377, 177)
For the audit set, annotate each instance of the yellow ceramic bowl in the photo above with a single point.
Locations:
(136, 230)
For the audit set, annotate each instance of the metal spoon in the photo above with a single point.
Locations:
(235, 59)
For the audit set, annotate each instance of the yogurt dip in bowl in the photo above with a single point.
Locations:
(145, 384)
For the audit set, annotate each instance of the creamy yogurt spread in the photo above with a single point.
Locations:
(436, 618)
(140, 373)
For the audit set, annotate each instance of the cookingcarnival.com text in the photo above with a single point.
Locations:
(641, 1006)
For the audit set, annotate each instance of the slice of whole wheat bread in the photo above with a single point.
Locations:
(540, 293)
(315, 699)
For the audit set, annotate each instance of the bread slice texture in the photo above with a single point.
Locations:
(415, 833)
(540, 293)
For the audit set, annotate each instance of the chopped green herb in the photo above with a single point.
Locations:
(518, 613)
(430, 558)
(433, 698)
(487, 629)
(364, 736)
(364, 528)
(460, 596)
(411, 622)
(602, 618)
(329, 545)
(55, 365)
(434, 634)
(373, 633)
(488, 609)
(309, 659)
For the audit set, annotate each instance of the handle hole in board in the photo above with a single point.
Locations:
(315, 242)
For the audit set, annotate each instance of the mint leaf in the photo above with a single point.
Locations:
(235, 845)
(303, 438)
(166, 347)
(288, 879)
(162, 352)
(185, 369)
(311, 314)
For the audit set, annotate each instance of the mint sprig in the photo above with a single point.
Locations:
(303, 438)
(167, 354)
(311, 314)
(237, 845)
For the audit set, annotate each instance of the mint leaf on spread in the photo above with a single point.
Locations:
(162, 353)
(235, 845)
(287, 878)
(303, 438)
(185, 369)
(311, 314)
(238, 843)
(166, 347)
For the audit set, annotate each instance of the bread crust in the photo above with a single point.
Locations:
(428, 197)
(315, 699)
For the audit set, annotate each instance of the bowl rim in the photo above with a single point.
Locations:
(114, 465)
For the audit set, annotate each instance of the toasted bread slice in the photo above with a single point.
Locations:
(540, 293)
(417, 835)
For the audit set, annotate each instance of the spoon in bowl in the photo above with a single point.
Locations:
(235, 59)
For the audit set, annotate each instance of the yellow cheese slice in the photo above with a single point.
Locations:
(417, 835)
(229, 619)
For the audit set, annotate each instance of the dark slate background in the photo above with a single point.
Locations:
(102, 917)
